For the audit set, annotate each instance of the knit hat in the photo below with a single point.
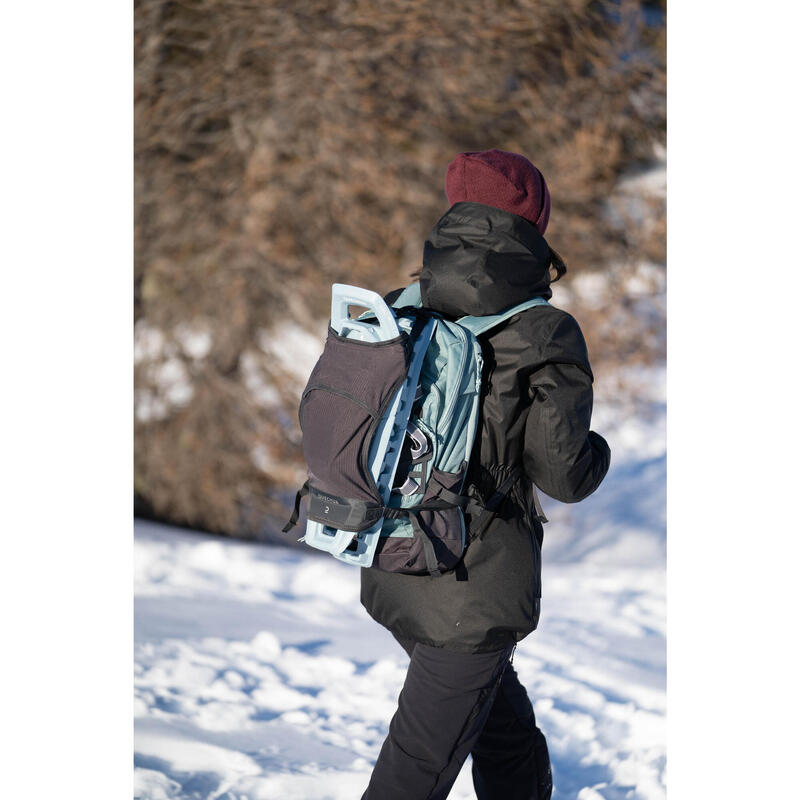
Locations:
(504, 180)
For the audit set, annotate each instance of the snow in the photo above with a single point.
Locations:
(195, 340)
(259, 675)
(299, 359)
(166, 369)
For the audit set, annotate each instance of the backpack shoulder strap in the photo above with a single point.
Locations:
(410, 296)
(479, 325)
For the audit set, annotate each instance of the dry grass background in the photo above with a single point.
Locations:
(281, 146)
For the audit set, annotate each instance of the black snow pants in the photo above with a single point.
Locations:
(453, 704)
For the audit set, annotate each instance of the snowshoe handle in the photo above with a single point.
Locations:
(343, 296)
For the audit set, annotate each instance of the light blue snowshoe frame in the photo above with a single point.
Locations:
(358, 549)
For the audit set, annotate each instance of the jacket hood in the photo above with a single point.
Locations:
(480, 260)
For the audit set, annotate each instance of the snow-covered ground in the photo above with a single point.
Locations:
(259, 675)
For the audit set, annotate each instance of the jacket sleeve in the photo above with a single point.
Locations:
(562, 456)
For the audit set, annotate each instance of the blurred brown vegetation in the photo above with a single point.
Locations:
(283, 146)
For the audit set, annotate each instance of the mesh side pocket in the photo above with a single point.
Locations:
(400, 554)
(444, 527)
(349, 389)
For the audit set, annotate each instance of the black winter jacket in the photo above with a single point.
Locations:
(536, 409)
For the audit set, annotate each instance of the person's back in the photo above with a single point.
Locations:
(486, 254)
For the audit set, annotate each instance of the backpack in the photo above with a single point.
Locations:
(389, 416)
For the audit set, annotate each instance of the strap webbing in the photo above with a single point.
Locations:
(479, 325)
(421, 318)
(301, 493)
(431, 561)
(489, 510)
(453, 498)
(437, 504)
(412, 296)
(537, 505)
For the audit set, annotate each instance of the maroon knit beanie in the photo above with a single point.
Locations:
(500, 179)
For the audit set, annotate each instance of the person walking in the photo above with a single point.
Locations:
(461, 694)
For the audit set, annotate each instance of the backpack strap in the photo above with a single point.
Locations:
(479, 325)
(446, 500)
(301, 493)
(484, 513)
(538, 506)
(410, 296)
